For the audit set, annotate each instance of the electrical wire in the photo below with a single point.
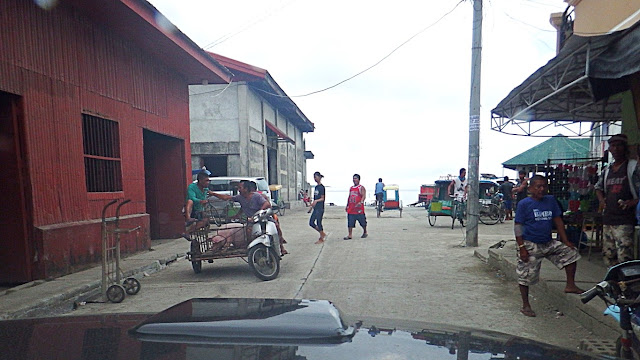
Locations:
(212, 91)
(229, 35)
(527, 24)
(545, 5)
(363, 71)
(375, 64)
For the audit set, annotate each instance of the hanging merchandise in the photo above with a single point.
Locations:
(573, 185)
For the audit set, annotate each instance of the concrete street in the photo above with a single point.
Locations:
(405, 270)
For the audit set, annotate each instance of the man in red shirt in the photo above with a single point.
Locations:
(355, 208)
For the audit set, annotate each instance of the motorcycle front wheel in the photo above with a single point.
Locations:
(264, 262)
(624, 353)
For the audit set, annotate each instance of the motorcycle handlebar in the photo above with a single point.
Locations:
(588, 295)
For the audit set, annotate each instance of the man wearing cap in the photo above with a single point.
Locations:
(317, 206)
(617, 191)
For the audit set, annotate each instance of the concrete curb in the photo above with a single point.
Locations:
(80, 292)
(588, 315)
(482, 254)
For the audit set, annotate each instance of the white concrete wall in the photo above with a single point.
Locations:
(254, 111)
(213, 115)
(232, 123)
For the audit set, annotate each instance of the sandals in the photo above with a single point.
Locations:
(346, 238)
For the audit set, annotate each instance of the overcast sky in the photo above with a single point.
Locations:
(406, 119)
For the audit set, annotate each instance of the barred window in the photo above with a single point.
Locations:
(101, 142)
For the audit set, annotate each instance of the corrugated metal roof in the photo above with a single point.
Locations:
(557, 147)
(141, 23)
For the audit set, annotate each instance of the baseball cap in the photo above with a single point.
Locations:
(618, 137)
(317, 173)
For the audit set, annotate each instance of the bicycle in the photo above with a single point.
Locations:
(489, 213)
(379, 205)
(498, 199)
(280, 207)
(459, 212)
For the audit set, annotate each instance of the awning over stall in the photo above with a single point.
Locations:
(574, 87)
(558, 147)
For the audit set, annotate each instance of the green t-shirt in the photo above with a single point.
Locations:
(195, 194)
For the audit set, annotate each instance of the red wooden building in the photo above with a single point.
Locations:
(93, 107)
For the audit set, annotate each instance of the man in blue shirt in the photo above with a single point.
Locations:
(534, 220)
(379, 192)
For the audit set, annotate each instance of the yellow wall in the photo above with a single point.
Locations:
(596, 17)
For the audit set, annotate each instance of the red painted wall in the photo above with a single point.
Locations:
(62, 65)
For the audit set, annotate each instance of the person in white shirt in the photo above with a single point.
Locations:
(458, 187)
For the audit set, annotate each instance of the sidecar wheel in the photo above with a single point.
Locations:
(197, 266)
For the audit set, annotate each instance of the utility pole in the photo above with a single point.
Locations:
(474, 128)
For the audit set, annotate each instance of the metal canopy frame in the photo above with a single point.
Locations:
(559, 94)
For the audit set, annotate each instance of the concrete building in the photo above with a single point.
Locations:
(249, 128)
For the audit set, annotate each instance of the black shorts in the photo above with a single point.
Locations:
(352, 218)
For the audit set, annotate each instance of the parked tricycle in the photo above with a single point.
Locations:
(390, 199)
(444, 205)
(255, 239)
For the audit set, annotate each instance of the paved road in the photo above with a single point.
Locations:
(405, 270)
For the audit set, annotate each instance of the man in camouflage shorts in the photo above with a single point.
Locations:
(533, 224)
(617, 191)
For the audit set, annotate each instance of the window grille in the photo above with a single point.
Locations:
(101, 142)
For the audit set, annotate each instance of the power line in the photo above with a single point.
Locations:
(244, 28)
(212, 91)
(365, 70)
(378, 62)
(526, 23)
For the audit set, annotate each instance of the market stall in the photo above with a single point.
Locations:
(572, 176)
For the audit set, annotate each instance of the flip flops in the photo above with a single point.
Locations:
(346, 238)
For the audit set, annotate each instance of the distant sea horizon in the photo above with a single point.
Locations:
(339, 197)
